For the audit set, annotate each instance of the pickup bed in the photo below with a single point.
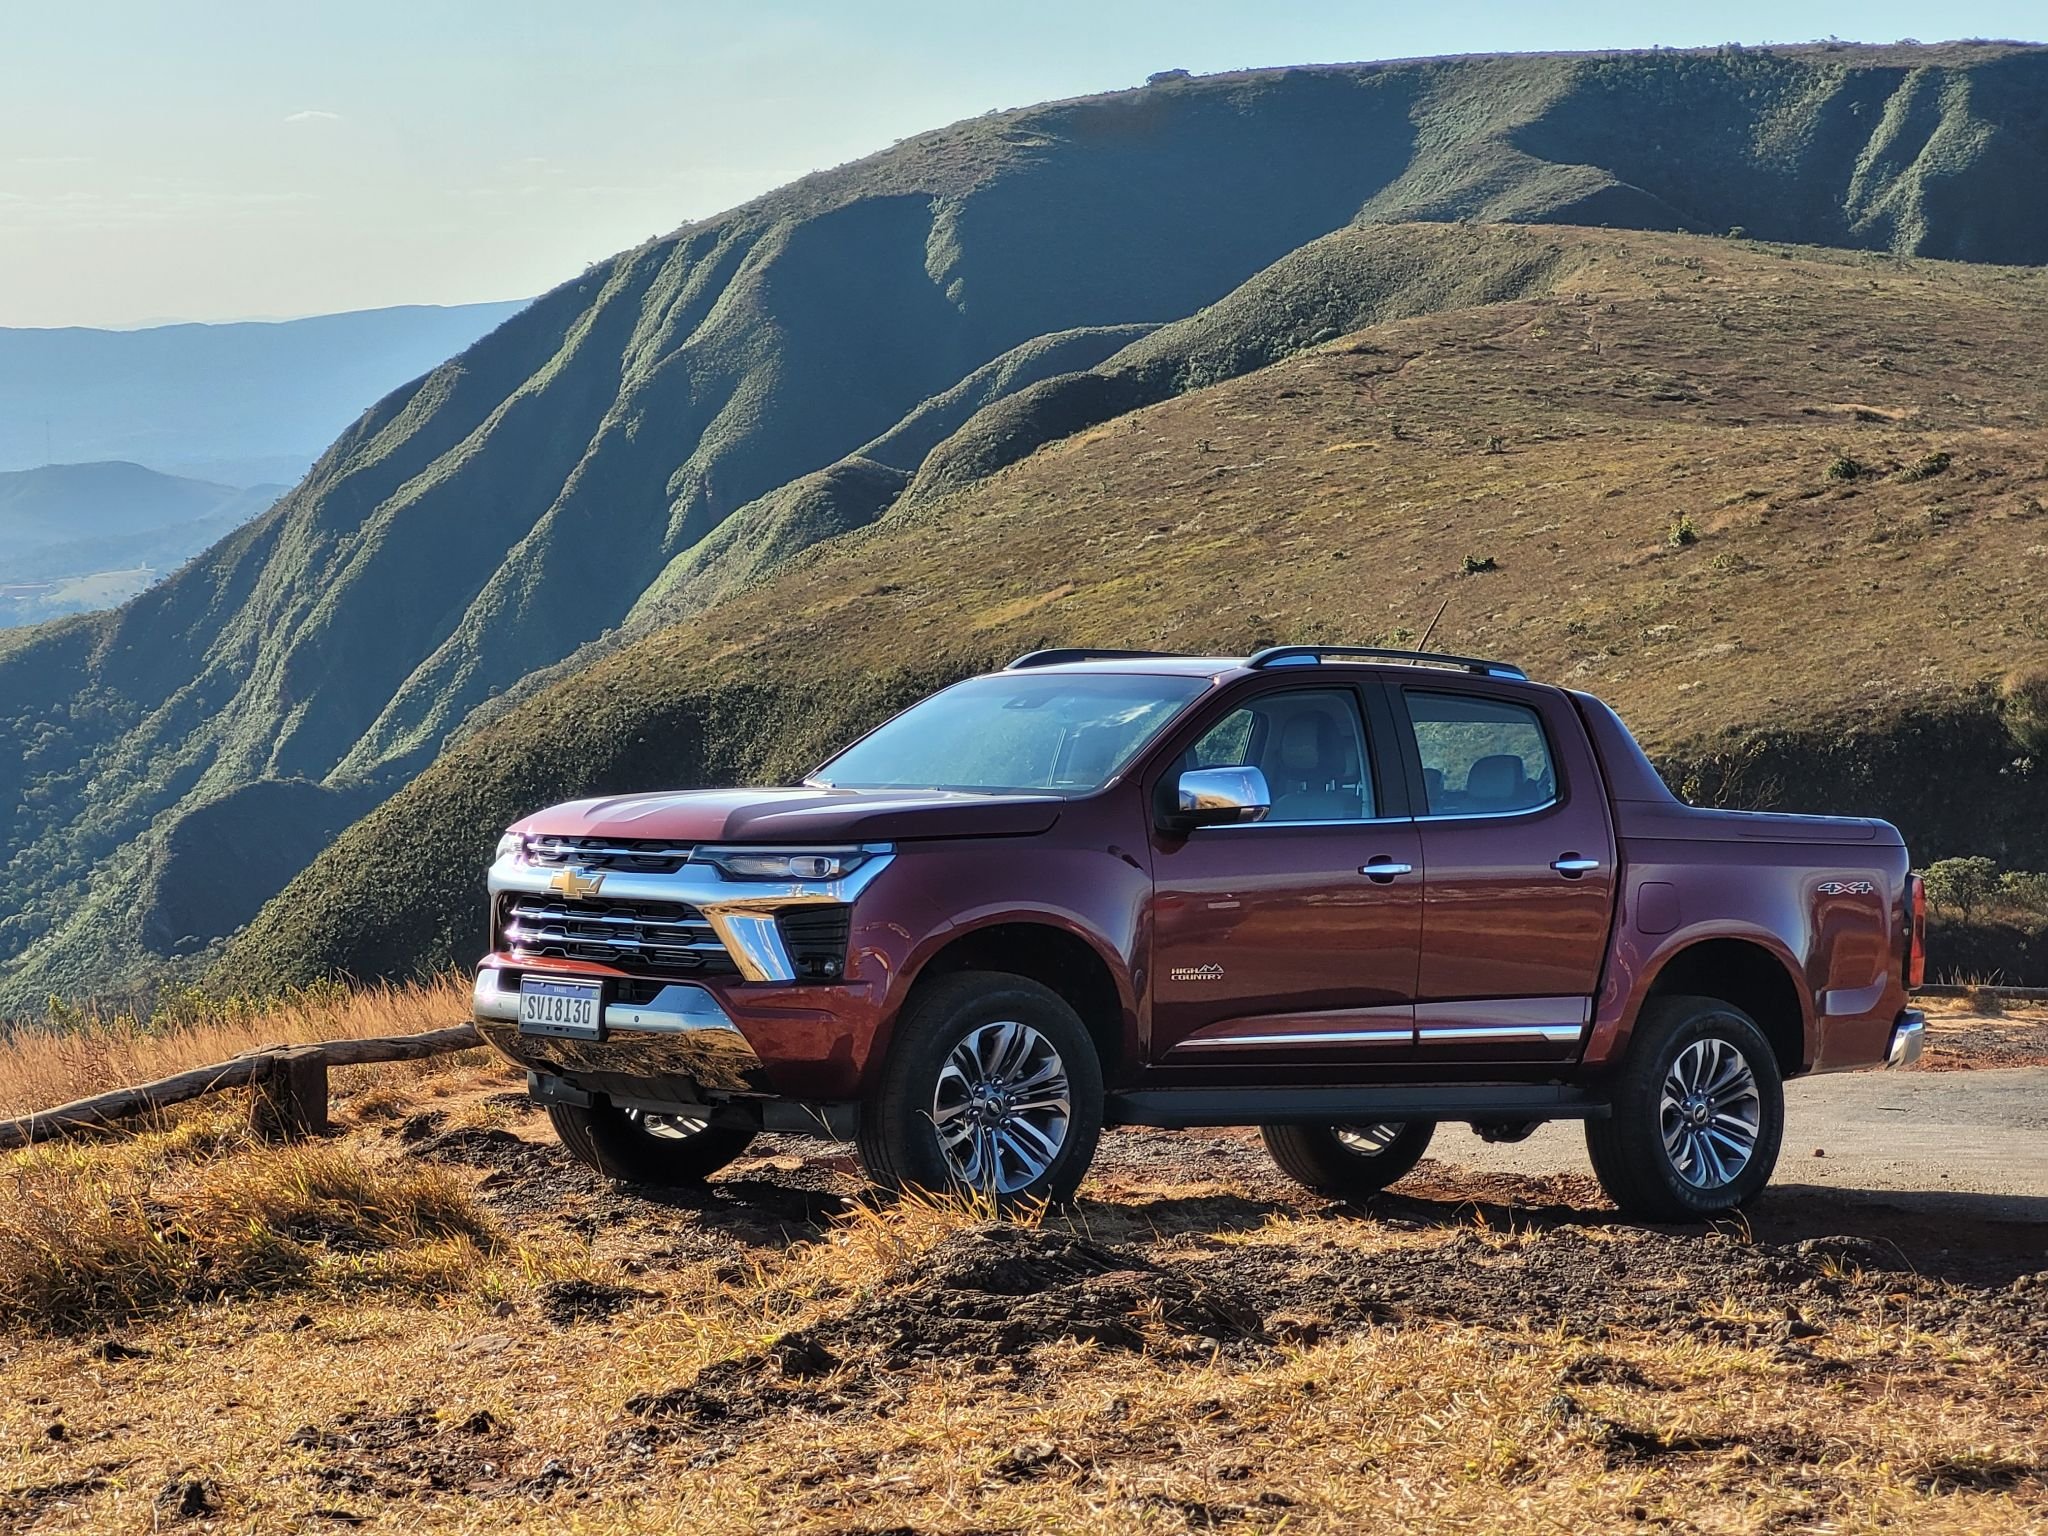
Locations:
(1338, 893)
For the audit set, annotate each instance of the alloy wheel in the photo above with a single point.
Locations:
(669, 1127)
(1001, 1107)
(1711, 1113)
(1369, 1140)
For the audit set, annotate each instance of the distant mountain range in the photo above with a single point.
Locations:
(676, 443)
(242, 404)
(82, 536)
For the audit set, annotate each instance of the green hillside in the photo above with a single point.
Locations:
(1787, 509)
(934, 312)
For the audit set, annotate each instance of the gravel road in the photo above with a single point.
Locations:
(1972, 1141)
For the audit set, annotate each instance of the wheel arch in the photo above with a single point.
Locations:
(1054, 956)
(1748, 975)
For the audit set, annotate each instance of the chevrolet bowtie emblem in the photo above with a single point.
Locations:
(575, 884)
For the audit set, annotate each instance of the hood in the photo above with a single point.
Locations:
(798, 816)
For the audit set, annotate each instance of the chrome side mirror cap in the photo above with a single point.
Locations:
(1221, 797)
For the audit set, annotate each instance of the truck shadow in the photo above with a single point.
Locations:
(1956, 1236)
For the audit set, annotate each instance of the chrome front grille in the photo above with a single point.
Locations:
(666, 936)
(628, 855)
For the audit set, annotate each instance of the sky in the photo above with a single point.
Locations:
(229, 159)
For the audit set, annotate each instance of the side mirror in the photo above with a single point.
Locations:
(1220, 797)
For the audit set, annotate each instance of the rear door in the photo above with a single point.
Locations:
(1293, 940)
(1519, 851)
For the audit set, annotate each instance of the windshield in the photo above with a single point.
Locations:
(1014, 730)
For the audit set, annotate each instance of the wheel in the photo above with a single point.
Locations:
(1699, 1113)
(1348, 1161)
(636, 1148)
(992, 1084)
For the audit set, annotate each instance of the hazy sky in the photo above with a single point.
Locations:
(216, 159)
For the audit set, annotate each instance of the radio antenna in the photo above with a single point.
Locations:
(1423, 643)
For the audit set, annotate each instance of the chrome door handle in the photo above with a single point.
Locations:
(1574, 866)
(1384, 870)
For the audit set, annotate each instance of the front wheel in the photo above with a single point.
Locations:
(992, 1085)
(1347, 1162)
(1699, 1113)
(635, 1148)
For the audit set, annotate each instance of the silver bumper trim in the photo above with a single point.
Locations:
(678, 1008)
(1909, 1037)
(681, 1030)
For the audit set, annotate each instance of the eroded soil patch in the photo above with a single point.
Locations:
(986, 1296)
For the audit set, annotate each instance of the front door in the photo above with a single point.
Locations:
(1291, 940)
(1520, 853)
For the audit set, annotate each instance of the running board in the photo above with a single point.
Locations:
(1179, 1108)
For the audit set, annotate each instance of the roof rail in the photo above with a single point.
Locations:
(1061, 655)
(1311, 655)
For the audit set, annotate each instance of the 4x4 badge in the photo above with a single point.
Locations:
(575, 884)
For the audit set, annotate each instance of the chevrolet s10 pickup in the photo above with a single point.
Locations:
(1339, 893)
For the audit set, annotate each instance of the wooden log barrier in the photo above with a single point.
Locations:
(290, 1084)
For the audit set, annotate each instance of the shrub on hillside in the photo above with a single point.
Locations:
(1926, 468)
(1685, 531)
(1844, 468)
(2023, 701)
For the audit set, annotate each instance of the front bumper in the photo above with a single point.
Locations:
(681, 1039)
(1909, 1036)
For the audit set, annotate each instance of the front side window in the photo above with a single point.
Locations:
(1480, 756)
(1012, 731)
(1309, 746)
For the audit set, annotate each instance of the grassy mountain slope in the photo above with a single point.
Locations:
(507, 510)
(1788, 541)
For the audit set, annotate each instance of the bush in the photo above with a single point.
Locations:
(1685, 531)
(1844, 468)
(1961, 884)
(1475, 564)
(2024, 889)
(2023, 701)
(1926, 468)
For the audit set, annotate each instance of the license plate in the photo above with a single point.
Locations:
(572, 1009)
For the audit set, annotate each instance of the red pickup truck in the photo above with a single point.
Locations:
(1339, 893)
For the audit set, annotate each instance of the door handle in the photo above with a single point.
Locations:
(1384, 869)
(1571, 866)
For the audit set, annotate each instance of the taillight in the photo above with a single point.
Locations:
(1916, 933)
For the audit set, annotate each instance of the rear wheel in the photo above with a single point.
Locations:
(637, 1148)
(1346, 1162)
(992, 1085)
(1699, 1114)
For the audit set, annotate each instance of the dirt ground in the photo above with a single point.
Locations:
(1197, 1345)
(1961, 1039)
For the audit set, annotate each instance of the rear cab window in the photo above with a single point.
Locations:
(1481, 756)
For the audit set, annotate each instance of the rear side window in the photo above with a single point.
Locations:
(1480, 756)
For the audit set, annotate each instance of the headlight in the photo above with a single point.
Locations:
(784, 863)
(510, 843)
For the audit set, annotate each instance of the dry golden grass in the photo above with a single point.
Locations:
(408, 1368)
(45, 1066)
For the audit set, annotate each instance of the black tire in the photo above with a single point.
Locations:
(1319, 1157)
(899, 1140)
(1629, 1151)
(619, 1146)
